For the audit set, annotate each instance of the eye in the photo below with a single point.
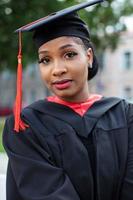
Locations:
(70, 54)
(44, 61)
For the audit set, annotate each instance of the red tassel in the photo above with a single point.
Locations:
(19, 124)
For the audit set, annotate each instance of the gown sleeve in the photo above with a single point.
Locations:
(31, 174)
(127, 185)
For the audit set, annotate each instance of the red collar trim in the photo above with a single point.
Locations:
(79, 108)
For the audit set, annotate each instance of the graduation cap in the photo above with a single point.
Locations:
(66, 23)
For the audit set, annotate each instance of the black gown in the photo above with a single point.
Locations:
(63, 156)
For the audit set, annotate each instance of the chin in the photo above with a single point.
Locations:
(65, 93)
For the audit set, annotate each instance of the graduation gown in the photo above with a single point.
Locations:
(51, 159)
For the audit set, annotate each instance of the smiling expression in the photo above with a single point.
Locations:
(63, 64)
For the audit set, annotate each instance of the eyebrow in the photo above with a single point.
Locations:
(65, 46)
(61, 48)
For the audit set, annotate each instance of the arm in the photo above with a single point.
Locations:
(127, 185)
(31, 172)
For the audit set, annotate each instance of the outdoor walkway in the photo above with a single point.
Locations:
(3, 167)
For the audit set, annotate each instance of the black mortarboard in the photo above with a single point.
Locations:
(62, 23)
(57, 15)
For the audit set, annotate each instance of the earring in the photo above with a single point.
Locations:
(90, 65)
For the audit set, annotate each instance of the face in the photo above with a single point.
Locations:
(64, 68)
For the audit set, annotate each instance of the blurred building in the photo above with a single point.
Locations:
(33, 88)
(116, 74)
(7, 92)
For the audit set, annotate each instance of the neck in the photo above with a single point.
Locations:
(81, 97)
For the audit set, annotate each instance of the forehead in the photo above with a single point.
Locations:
(64, 41)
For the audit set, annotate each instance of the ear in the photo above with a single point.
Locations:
(90, 56)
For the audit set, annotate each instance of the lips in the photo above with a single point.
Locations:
(62, 84)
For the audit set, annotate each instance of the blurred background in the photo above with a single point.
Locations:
(111, 29)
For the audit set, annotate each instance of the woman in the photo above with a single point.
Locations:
(77, 146)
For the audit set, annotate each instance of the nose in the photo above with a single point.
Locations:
(59, 68)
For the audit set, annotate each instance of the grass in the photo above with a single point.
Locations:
(1, 130)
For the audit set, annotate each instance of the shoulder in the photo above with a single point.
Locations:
(33, 109)
(106, 105)
(31, 135)
(37, 104)
(116, 112)
(119, 103)
(9, 122)
(24, 144)
(123, 107)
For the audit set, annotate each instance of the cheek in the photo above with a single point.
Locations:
(82, 70)
(44, 74)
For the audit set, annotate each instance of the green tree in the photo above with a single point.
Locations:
(103, 20)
